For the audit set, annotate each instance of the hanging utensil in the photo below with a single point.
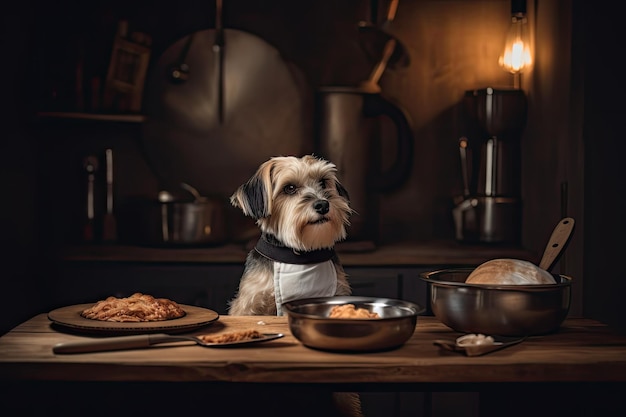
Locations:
(179, 73)
(375, 38)
(465, 173)
(371, 84)
(90, 164)
(164, 199)
(218, 48)
(109, 225)
(193, 191)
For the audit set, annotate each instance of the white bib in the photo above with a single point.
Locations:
(294, 282)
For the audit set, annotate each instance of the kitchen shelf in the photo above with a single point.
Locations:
(125, 118)
(436, 253)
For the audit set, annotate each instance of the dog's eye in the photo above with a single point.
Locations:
(323, 184)
(290, 189)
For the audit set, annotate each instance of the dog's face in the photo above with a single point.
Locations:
(298, 200)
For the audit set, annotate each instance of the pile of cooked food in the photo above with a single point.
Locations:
(350, 311)
(239, 336)
(136, 308)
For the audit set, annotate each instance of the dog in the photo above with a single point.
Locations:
(302, 210)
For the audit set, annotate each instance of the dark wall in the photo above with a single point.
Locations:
(604, 149)
(447, 51)
(451, 50)
(21, 265)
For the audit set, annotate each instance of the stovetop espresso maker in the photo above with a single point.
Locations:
(489, 210)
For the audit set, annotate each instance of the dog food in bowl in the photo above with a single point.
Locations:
(310, 322)
(350, 311)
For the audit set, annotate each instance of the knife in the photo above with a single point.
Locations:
(147, 340)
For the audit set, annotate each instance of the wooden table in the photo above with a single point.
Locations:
(584, 358)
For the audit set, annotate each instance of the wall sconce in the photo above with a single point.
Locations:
(516, 56)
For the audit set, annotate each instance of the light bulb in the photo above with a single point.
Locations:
(517, 56)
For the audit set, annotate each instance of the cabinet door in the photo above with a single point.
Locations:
(402, 283)
(374, 282)
(414, 288)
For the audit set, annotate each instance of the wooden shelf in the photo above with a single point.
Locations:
(125, 118)
(401, 254)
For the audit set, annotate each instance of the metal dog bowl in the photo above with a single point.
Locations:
(505, 310)
(309, 322)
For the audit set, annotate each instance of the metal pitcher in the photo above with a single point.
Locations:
(349, 135)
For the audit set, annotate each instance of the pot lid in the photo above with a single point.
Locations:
(239, 104)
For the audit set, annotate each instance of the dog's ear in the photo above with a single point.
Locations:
(342, 191)
(253, 196)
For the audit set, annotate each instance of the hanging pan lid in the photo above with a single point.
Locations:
(238, 103)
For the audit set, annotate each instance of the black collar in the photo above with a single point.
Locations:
(271, 248)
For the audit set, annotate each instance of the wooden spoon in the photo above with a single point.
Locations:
(559, 240)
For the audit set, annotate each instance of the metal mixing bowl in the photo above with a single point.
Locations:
(505, 310)
(309, 323)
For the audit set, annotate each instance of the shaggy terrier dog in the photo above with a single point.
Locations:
(302, 210)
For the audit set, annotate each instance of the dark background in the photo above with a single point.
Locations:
(573, 136)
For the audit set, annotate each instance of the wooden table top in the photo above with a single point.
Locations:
(582, 351)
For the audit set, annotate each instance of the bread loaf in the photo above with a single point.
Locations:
(509, 272)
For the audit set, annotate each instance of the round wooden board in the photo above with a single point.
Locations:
(69, 317)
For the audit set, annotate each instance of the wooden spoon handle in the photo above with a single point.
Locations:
(558, 242)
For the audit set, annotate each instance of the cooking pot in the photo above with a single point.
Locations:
(170, 221)
(504, 310)
(488, 219)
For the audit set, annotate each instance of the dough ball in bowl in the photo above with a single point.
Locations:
(509, 272)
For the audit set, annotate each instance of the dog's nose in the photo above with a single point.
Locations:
(321, 206)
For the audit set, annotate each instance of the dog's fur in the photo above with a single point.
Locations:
(299, 204)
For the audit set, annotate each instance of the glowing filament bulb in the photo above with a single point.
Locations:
(516, 56)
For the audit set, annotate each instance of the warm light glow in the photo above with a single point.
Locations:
(517, 56)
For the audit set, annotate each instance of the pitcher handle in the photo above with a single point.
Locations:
(396, 175)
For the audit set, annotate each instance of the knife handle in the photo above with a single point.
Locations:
(107, 344)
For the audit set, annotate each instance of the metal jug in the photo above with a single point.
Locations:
(348, 122)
